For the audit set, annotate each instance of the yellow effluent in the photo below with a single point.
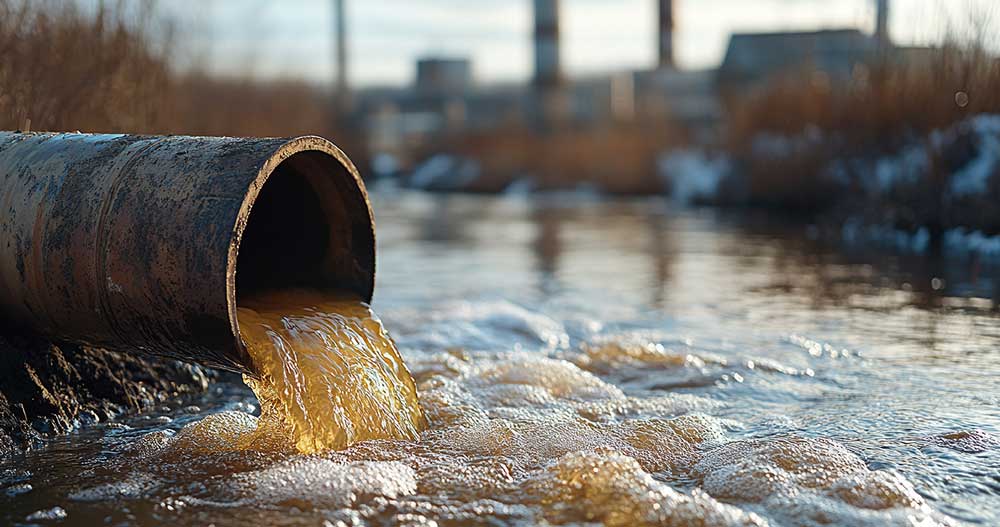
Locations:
(328, 375)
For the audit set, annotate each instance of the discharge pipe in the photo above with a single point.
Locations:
(146, 243)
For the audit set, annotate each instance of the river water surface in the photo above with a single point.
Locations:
(583, 362)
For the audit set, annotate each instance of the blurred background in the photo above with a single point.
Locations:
(871, 118)
(798, 199)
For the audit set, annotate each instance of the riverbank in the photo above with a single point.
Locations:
(937, 192)
(48, 389)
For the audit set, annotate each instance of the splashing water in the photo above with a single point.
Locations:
(328, 374)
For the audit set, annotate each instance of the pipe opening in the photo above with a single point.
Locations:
(309, 227)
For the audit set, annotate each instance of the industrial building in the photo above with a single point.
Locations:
(444, 97)
(753, 58)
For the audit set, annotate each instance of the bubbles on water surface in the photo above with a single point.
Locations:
(55, 513)
(134, 486)
(221, 432)
(969, 442)
(522, 437)
(810, 482)
(518, 438)
(316, 482)
(611, 488)
(610, 356)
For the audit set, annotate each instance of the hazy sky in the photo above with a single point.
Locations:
(293, 37)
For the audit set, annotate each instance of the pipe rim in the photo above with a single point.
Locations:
(307, 143)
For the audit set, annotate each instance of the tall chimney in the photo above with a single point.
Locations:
(343, 96)
(882, 23)
(665, 34)
(547, 68)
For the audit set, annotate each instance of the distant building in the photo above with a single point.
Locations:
(687, 97)
(753, 58)
(442, 76)
(443, 99)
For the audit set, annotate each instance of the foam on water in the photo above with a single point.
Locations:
(135, 485)
(516, 437)
(968, 441)
(511, 437)
(522, 438)
(325, 483)
(613, 489)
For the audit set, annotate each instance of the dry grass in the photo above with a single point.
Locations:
(66, 70)
(886, 100)
(111, 71)
(883, 108)
(618, 159)
(217, 106)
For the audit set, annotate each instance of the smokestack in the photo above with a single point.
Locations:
(882, 23)
(547, 68)
(665, 34)
(343, 96)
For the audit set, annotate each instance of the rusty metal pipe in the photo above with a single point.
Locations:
(145, 243)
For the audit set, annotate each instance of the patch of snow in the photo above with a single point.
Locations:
(904, 168)
(974, 177)
(384, 165)
(975, 242)
(431, 170)
(445, 172)
(692, 174)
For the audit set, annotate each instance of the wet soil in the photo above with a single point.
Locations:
(47, 389)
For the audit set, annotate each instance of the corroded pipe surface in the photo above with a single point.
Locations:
(144, 242)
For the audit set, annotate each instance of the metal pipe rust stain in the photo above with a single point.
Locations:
(143, 243)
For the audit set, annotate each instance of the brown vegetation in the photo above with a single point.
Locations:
(614, 159)
(880, 105)
(65, 71)
(112, 71)
(884, 107)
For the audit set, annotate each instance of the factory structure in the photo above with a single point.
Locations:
(444, 97)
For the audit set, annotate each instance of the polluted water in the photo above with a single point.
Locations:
(552, 384)
(327, 373)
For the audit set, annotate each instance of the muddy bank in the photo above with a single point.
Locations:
(47, 389)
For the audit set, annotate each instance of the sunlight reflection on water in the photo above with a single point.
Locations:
(674, 352)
